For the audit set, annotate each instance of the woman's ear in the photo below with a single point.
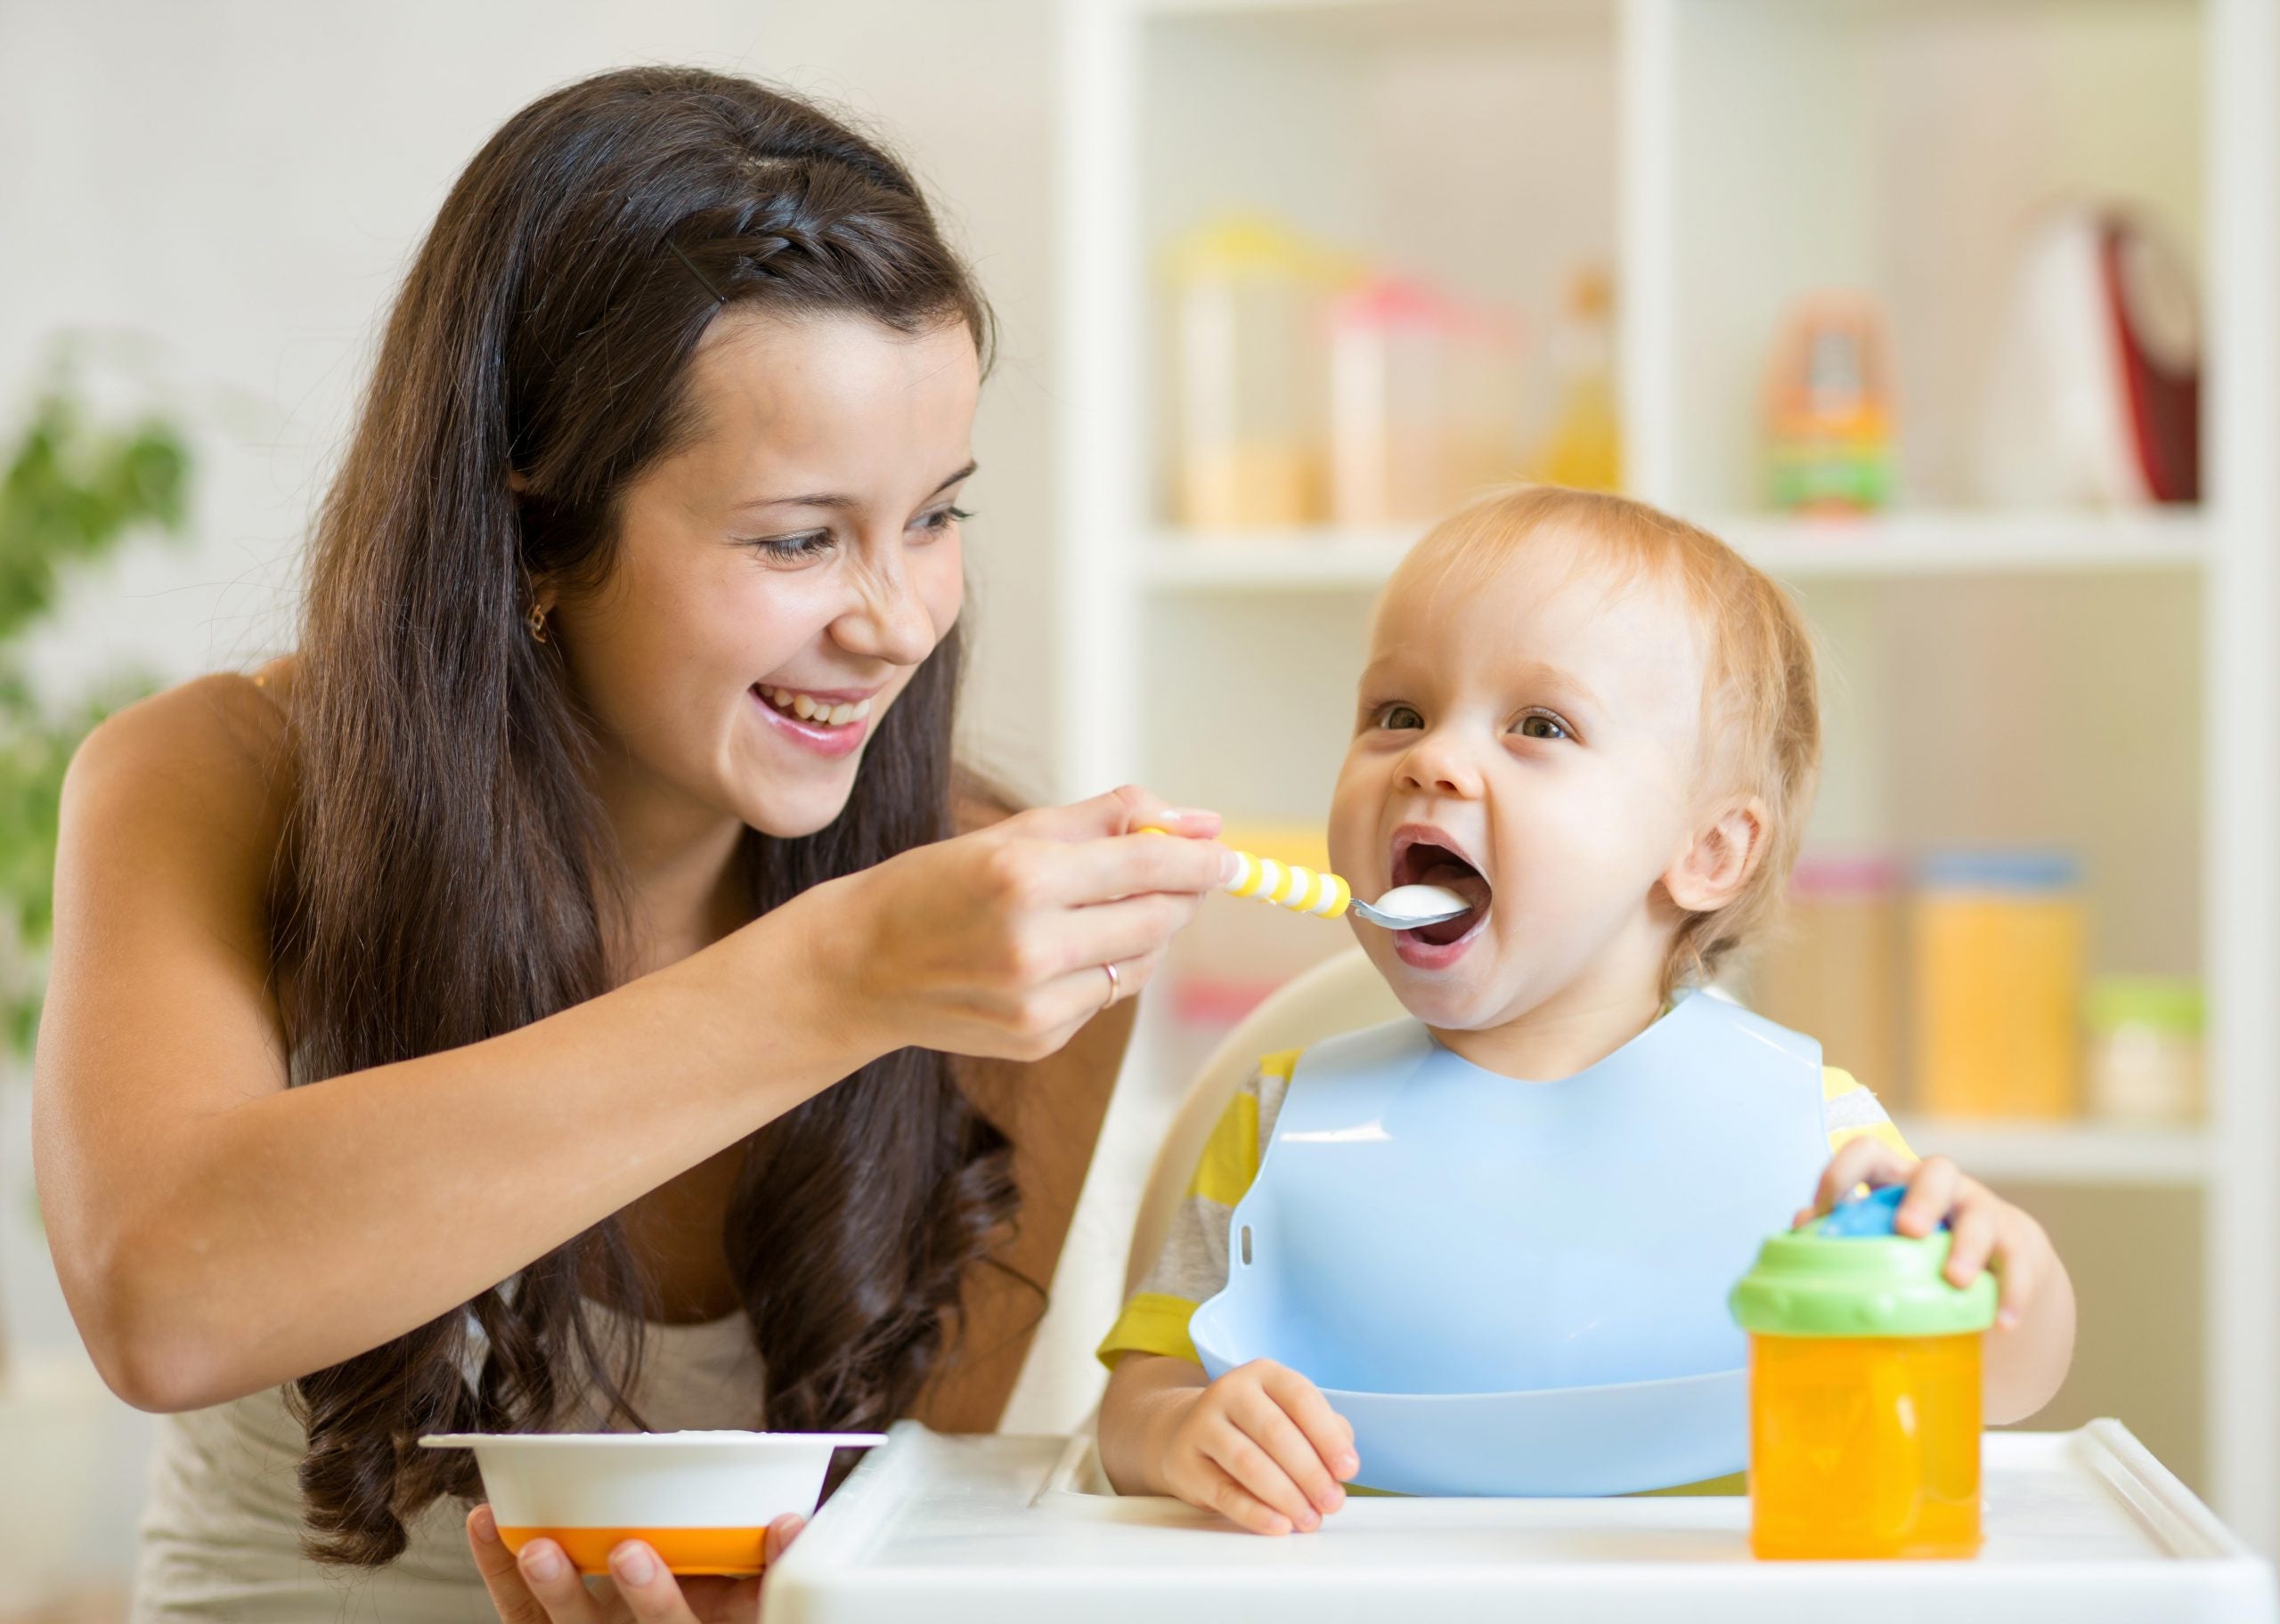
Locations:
(1719, 861)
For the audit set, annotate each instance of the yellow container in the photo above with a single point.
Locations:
(1997, 947)
(1864, 1391)
(1250, 423)
(1864, 1447)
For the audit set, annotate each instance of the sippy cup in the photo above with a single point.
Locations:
(1864, 1391)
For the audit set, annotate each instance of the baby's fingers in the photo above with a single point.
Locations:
(1207, 1484)
(1866, 1160)
(1972, 1225)
(2018, 1268)
(1272, 1430)
(1240, 1456)
(1933, 1191)
(1330, 1432)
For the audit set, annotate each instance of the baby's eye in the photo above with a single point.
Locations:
(1398, 718)
(1542, 725)
(802, 548)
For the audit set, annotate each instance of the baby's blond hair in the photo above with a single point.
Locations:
(1761, 699)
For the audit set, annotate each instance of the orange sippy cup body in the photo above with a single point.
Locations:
(1864, 1392)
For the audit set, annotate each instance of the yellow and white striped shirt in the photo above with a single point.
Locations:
(1193, 1265)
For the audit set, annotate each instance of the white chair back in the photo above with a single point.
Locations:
(1341, 995)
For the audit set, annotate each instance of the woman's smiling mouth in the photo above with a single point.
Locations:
(830, 723)
(1426, 855)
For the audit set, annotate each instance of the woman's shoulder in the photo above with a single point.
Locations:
(215, 752)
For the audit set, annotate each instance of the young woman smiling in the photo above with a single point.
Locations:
(537, 1002)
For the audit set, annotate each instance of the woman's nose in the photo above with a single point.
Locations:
(888, 620)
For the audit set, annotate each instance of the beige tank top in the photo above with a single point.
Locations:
(222, 1524)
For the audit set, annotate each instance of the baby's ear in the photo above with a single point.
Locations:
(1718, 862)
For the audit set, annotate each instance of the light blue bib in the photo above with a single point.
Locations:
(1514, 1287)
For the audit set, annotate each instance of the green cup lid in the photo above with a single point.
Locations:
(1850, 1275)
(2165, 1003)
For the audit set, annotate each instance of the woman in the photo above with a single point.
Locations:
(529, 1005)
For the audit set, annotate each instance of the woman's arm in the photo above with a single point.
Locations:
(217, 1233)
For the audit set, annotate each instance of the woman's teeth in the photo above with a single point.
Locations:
(822, 713)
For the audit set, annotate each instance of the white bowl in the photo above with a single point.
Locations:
(703, 1500)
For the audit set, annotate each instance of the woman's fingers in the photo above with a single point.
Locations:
(1110, 932)
(554, 1584)
(649, 1592)
(1121, 811)
(780, 1535)
(510, 1595)
(1128, 865)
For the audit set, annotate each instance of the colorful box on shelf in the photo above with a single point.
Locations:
(1997, 941)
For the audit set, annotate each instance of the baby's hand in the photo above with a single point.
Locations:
(1262, 1447)
(1988, 1230)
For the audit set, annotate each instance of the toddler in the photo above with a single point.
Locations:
(1598, 725)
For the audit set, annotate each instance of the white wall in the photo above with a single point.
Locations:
(242, 185)
(236, 187)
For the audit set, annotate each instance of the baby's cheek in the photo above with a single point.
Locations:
(1354, 805)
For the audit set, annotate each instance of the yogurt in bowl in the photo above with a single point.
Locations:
(702, 1501)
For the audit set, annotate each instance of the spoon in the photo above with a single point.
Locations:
(1303, 891)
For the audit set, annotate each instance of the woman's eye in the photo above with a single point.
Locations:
(1400, 718)
(1542, 725)
(942, 518)
(794, 550)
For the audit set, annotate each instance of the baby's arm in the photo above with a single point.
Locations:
(1260, 1446)
(2033, 1343)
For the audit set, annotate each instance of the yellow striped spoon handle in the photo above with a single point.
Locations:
(1286, 885)
(1303, 891)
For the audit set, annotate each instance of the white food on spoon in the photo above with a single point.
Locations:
(1421, 903)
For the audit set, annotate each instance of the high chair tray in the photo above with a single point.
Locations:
(2083, 1528)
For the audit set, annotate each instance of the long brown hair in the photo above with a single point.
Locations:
(445, 866)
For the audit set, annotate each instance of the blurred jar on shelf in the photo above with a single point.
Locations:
(1583, 447)
(1425, 401)
(1833, 968)
(2145, 1048)
(1996, 950)
(1828, 409)
(1250, 425)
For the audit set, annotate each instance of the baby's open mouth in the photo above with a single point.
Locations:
(1425, 862)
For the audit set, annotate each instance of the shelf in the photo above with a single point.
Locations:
(1887, 545)
(2065, 1153)
(1323, 559)
(1966, 543)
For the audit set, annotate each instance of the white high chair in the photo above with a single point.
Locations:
(1339, 994)
(2083, 1527)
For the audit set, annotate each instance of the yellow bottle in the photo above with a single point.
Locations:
(1996, 944)
(1584, 448)
(1864, 1391)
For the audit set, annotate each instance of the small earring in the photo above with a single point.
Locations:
(536, 621)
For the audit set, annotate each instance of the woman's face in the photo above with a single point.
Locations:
(778, 580)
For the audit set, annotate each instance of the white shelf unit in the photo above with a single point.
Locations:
(2107, 681)
(1958, 543)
